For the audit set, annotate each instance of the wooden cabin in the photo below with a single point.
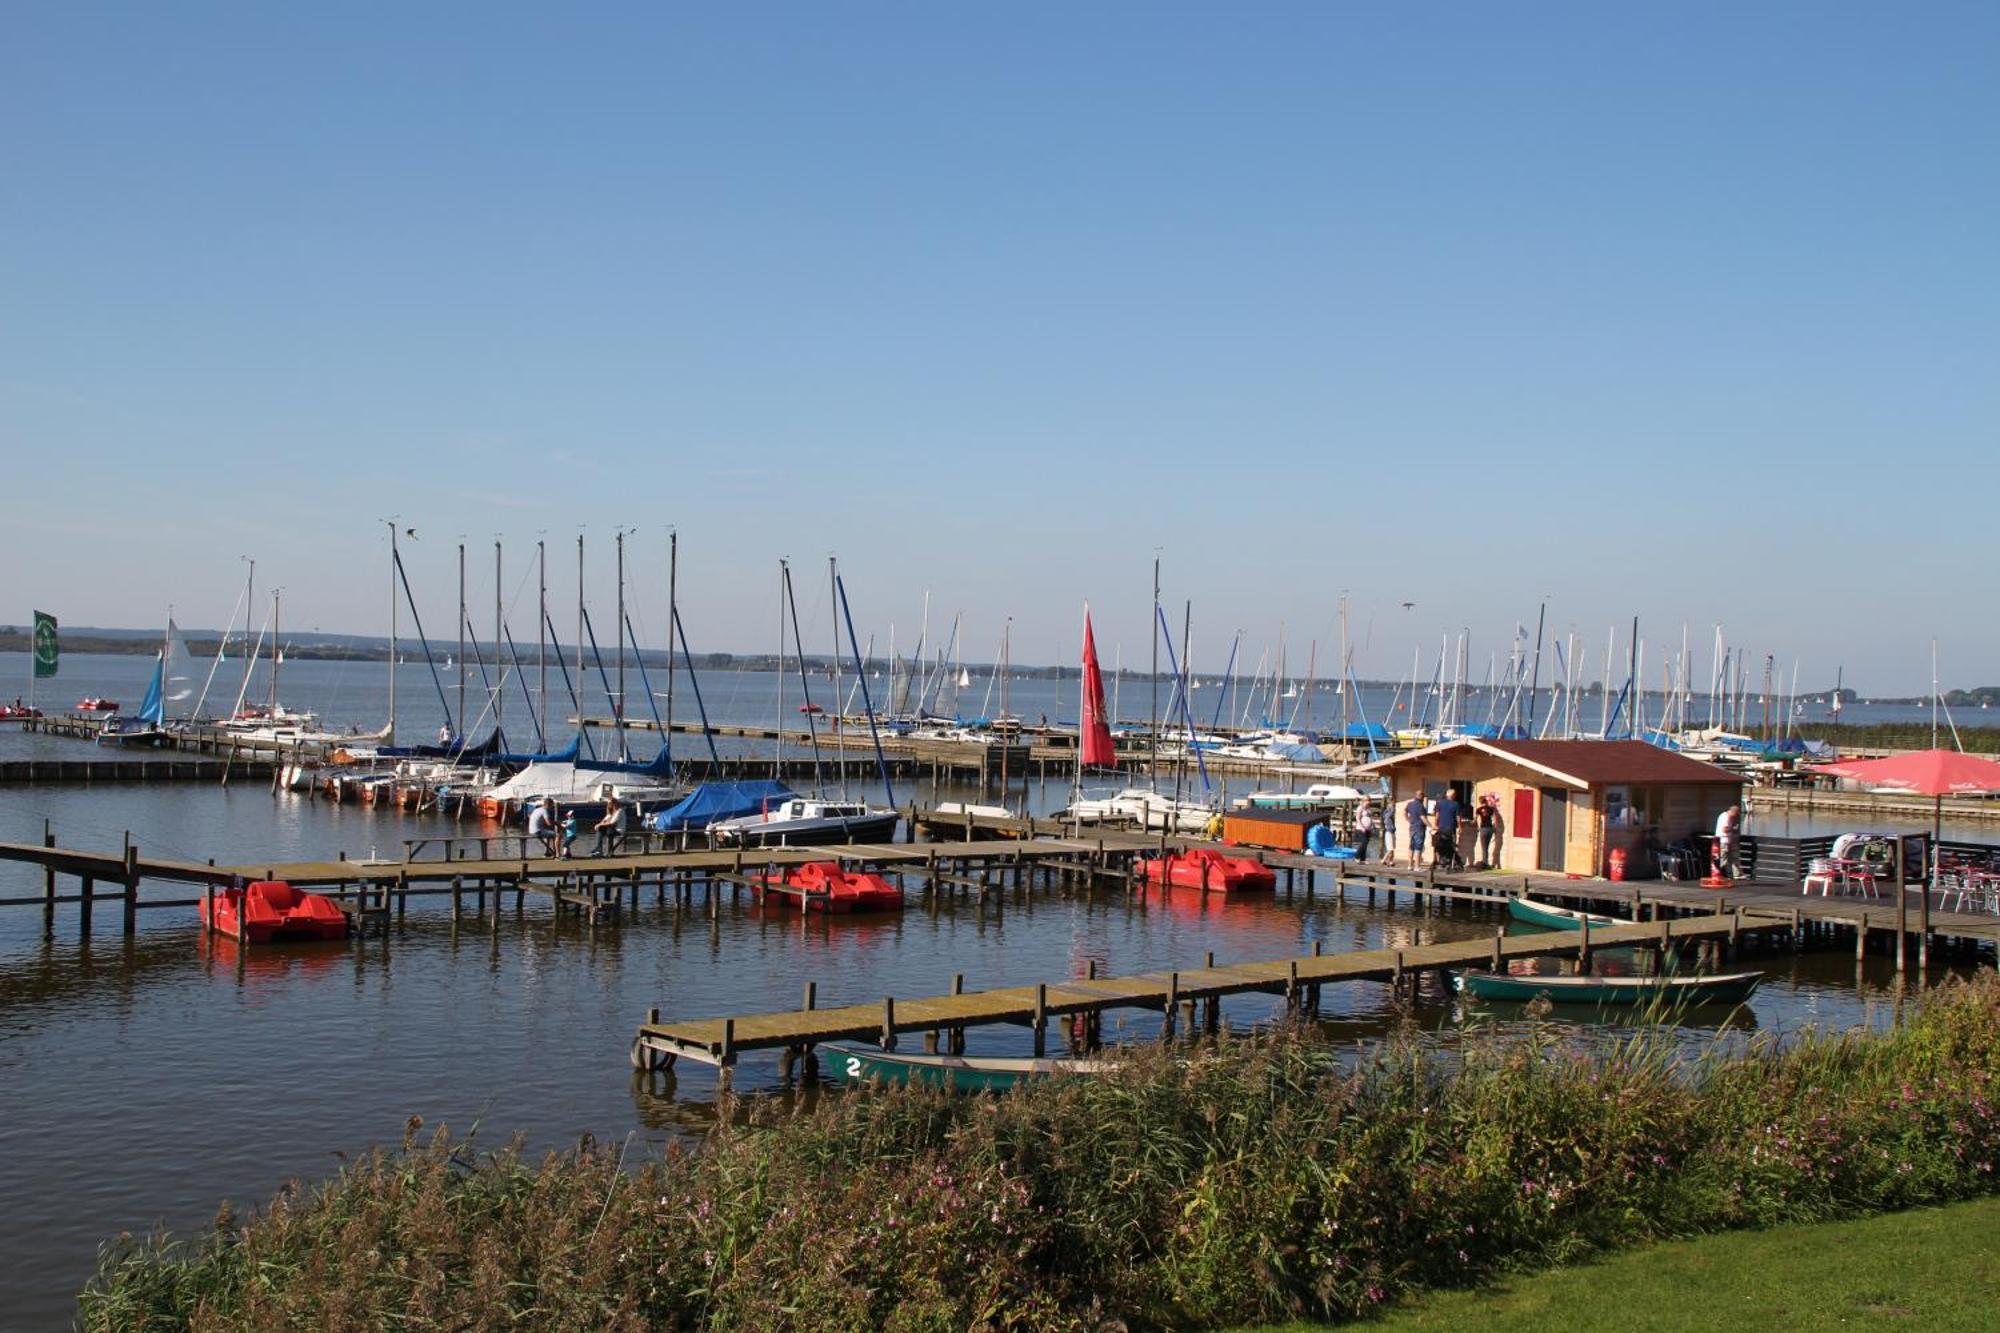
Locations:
(1565, 806)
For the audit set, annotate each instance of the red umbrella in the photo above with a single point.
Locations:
(1933, 773)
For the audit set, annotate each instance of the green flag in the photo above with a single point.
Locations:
(47, 653)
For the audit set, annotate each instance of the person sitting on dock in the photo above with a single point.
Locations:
(611, 828)
(542, 824)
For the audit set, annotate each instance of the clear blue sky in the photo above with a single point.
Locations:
(1689, 314)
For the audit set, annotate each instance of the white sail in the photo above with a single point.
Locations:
(179, 665)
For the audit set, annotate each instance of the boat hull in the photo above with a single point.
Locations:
(813, 832)
(822, 886)
(1211, 872)
(270, 911)
(958, 1073)
(1726, 988)
(1530, 912)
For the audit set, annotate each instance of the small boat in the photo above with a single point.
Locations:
(804, 822)
(961, 1073)
(95, 705)
(811, 708)
(1211, 871)
(271, 909)
(18, 712)
(822, 886)
(1556, 918)
(1719, 988)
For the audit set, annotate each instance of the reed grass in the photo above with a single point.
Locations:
(1259, 1180)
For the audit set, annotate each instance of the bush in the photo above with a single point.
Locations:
(1255, 1180)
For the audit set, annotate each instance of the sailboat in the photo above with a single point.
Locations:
(148, 727)
(1139, 805)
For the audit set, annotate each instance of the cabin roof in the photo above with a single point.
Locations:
(1581, 764)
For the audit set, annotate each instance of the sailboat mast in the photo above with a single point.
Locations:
(277, 652)
(499, 632)
(580, 677)
(839, 703)
(618, 711)
(1153, 747)
(1006, 741)
(458, 727)
(778, 732)
(393, 558)
(249, 658)
(542, 632)
(673, 618)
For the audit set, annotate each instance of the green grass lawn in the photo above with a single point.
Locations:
(1934, 1268)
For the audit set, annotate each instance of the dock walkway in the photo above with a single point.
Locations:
(1175, 995)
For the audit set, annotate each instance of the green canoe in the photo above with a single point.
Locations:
(1556, 918)
(960, 1072)
(1720, 988)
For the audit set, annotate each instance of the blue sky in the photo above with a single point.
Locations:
(1687, 314)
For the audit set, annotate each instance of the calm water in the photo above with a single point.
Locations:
(143, 1081)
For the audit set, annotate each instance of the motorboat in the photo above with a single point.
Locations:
(95, 705)
(272, 909)
(1148, 809)
(1319, 796)
(800, 820)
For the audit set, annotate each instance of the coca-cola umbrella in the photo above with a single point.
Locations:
(1933, 773)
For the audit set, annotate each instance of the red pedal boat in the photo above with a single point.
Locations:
(1211, 871)
(822, 886)
(17, 712)
(275, 911)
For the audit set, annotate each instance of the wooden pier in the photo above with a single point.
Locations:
(1186, 1000)
(54, 772)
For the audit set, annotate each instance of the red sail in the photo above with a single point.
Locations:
(1096, 740)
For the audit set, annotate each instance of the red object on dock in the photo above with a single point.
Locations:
(275, 911)
(822, 886)
(1211, 871)
(1615, 871)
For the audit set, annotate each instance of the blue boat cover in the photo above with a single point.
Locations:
(566, 755)
(720, 800)
(1366, 731)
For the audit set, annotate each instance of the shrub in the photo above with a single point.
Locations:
(1258, 1179)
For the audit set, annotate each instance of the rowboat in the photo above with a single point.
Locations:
(1557, 918)
(960, 1073)
(1718, 988)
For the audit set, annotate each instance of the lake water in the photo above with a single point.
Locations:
(142, 1081)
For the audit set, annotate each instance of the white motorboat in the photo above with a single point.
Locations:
(1148, 809)
(804, 821)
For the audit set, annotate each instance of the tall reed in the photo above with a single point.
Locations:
(1259, 1179)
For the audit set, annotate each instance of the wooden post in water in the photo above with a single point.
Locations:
(1499, 949)
(48, 885)
(888, 1023)
(131, 921)
(1041, 1019)
(1902, 915)
(1583, 949)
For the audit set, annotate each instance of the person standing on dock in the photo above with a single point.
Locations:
(1444, 833)
(1486, 825)
(1415, 820)
(1364, 828)
(1726, 826)
(611, 828)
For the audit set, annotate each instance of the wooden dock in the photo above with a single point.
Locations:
(1182, 998)
(54, 772)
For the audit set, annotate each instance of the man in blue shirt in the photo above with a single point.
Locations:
(1444, 834)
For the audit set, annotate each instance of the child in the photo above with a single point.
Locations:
(570, 828)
